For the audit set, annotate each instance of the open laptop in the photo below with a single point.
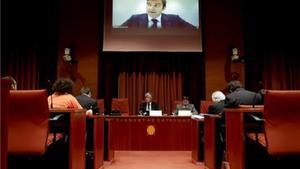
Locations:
(184, 113)
(155, 113)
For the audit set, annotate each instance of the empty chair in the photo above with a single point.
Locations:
(120, 104)
(204, 104)
(175, 103)
(101, 106)
(27, 122)
(282, 117)
(281, 127)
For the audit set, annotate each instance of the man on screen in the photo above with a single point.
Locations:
(154, 18)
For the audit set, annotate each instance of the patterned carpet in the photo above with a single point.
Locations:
(152, 160)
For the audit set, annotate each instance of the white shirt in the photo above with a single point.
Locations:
(150, 22)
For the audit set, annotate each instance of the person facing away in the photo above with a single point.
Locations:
(218, 99)
(185, 105)
(62, 97)
(154, 18)
(86, 100)
(148, 105)
(13, 82)
(237, 95)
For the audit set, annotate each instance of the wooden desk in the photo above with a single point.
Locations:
(197, 142)
(210, 140)
(149, 133)
(76, 136)
(98, 140)
(235, 139)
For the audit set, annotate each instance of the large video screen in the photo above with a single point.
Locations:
(152, 25)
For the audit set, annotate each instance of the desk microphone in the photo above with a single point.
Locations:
(254, 100)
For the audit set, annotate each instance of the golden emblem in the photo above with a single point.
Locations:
(150, 130)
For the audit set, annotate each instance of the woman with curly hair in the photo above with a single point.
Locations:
(62, 95)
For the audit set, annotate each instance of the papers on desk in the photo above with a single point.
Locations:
(155, 113)
(197, 116)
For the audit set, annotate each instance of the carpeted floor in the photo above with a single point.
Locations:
(152, 160)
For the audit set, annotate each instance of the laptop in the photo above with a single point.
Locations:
(155, 113)
(184, 113)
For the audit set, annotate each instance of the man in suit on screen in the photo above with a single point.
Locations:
(154, 18)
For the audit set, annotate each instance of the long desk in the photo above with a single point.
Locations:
(235, 139)
(149, 133)
(77, 127)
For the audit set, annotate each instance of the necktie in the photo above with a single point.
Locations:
(154, 26)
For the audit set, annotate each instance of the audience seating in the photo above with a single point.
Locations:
(282, 117)
(282, 138)
(120, 104)
(28, 122)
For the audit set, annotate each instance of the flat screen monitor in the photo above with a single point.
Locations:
(155, 113)
(129, 25)
(184, 113)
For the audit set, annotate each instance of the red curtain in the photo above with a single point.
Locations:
(281, 71)
(165, 88)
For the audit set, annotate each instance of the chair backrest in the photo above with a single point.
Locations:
(120, 104)
(282, 121)
(28, 122)
(204, 104)
(101, 106)
(175, 102)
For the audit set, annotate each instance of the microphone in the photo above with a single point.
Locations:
(50, 93)
(253, 101)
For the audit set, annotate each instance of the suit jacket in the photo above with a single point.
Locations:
(185, 107)
(167, 21)
(243, 96)
(154, 106)
(88, 103)
(216, 108)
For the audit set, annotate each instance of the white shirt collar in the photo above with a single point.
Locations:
(150, 23)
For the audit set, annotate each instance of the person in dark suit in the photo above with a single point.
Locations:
(218, 99)
(148, 105)
(154, 18)
(86, 101)
(237, 95)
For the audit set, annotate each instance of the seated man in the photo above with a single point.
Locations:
(185, 105)
(148, 105)
(86, 100)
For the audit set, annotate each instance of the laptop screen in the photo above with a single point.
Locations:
(155, 113)
(184, 113)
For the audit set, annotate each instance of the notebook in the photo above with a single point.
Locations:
(184, 113)
(155, 113)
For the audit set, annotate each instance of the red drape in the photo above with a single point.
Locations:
(165, 88)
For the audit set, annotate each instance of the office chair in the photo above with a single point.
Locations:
(120, 104)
